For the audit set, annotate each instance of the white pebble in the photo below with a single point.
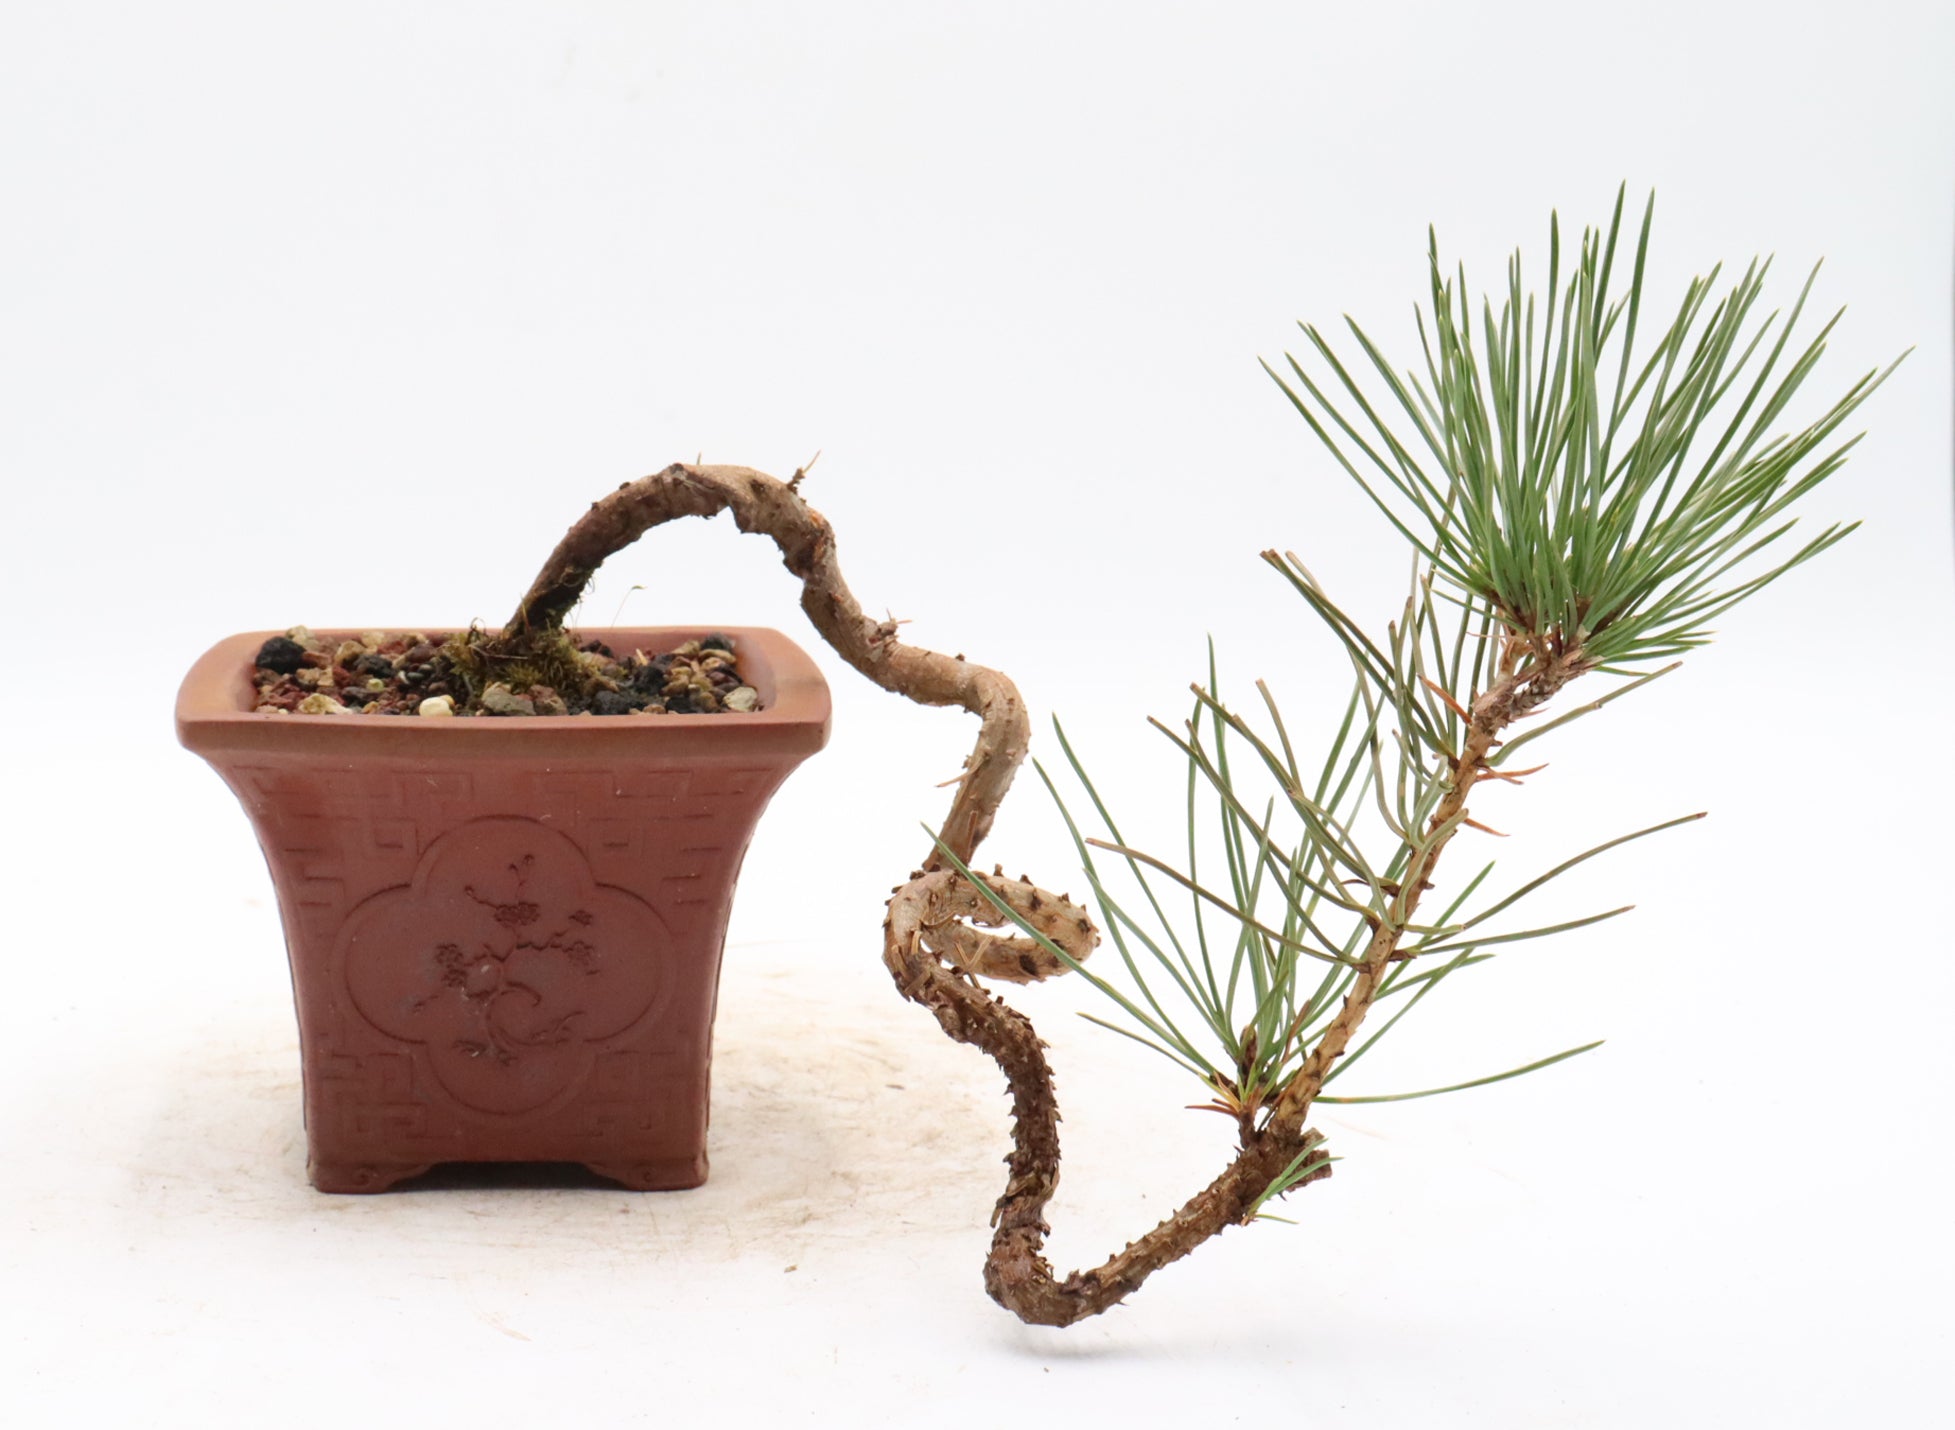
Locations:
(436, 705)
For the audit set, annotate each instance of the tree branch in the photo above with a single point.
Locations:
(929, 945)
(772, 508)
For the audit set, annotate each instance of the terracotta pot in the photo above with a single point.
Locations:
(505, 933)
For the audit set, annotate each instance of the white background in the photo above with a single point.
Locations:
(340, 314)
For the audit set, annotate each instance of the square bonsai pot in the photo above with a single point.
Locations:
(505, 932)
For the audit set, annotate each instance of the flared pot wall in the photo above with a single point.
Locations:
(505, 933)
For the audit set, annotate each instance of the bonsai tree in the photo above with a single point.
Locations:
(1580, 509)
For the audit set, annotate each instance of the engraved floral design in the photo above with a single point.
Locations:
(506, 1007)
(504, 960)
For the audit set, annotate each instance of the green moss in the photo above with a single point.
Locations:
(538, 657)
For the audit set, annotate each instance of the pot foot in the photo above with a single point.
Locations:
(673, 1175)
(358, 1177)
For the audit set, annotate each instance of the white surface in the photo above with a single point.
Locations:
(341, 313)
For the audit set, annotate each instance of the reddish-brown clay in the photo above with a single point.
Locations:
(505, 933)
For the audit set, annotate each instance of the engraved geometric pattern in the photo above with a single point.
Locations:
(448, 1005)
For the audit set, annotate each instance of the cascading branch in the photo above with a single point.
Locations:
(1575, 507)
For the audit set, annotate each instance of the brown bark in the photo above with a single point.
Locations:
(1525, 679)
(1016, 1273)
(929, 945)
(772, 508)
(1019, 1277)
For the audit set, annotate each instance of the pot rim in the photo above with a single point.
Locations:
(213, 708)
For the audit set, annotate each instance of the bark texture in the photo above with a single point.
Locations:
(933, 944)
(772, 508)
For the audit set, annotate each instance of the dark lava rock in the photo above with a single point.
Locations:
(427, 677)
(281, 654)
(376, 664)
(717, 642)
(649, 679)
(616, 702)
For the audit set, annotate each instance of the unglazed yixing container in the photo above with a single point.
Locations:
(505, 933)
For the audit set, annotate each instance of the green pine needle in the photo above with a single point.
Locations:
(1579, 469)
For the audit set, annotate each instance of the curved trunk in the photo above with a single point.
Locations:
(933, 956)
